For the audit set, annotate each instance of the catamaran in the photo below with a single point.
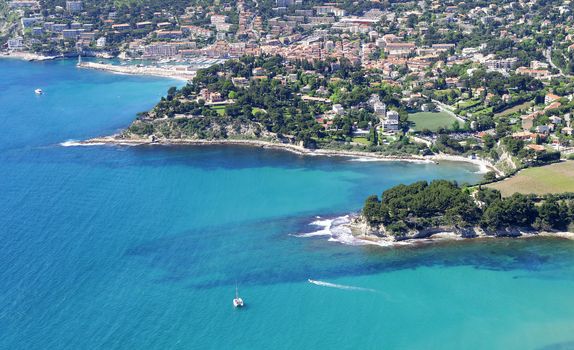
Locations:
(237, 302)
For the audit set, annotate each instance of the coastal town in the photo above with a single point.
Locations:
(452, 77)
(484, 82)
(287, 174)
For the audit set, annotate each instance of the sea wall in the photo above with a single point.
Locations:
(153, 71)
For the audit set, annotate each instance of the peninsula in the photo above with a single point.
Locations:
(328, 108)
(446, 209)
(490, 82)
(402, 81)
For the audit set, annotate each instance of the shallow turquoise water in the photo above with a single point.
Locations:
(141, 247)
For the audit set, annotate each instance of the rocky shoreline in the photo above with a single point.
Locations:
(484, 165)
(117, 140)
(356, 231)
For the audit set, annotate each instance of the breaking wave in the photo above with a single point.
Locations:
(337, 230)
(326, 226)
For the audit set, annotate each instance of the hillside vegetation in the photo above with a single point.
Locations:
(444, 204)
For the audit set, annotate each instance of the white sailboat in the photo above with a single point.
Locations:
(237, 302)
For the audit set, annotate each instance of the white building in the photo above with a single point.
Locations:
(16, 43)
(74, 6)
(338, 109)
(160, 50)
(391, 123)
(380, 109)
(101, 42)
(373, 99)
(505, 63)
(539, 65)
(217, 19)
(23, 4)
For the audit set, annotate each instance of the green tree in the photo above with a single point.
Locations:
(552, 215)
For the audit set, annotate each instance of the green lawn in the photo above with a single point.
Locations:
(119, 3)
(554, 178)
(467, 104)
(508, 111)
(362, 140)
(219, 109)
(481, 111)
(430, 120)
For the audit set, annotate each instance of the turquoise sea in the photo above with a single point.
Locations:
(141, 247)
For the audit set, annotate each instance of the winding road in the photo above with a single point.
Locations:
(548, 56)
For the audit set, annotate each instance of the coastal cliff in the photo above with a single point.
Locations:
(361, 228)
(364, 233)
(423, 210)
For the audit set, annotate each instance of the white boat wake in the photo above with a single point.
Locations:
(340, 286)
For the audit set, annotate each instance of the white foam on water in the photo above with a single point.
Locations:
(69, 143)
(338, 231)
(76, 143)
(326, 226)
(340, 286)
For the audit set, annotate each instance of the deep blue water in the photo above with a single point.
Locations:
(141, 247)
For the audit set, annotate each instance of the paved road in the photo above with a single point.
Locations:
(548, 55)
(447, 109)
